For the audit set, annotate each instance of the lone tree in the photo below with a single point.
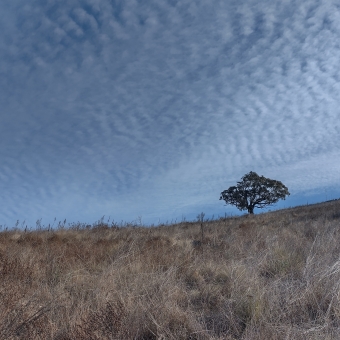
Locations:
(254, 191)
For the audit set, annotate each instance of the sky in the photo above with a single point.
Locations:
(146, 110)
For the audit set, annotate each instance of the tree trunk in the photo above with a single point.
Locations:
(250, 209)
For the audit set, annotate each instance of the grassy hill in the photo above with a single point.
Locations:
(269, 276)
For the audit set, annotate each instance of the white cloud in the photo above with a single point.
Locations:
(164, 103)
(247, 19)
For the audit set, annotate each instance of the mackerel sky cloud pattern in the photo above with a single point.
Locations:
(151, 108)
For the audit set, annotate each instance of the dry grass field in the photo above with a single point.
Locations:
(268, 276)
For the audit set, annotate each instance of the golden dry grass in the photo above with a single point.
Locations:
(268, 276)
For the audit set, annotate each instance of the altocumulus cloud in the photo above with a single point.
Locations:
(152, 108)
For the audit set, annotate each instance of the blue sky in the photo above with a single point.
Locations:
(149, 109)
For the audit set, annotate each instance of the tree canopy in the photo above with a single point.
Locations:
(254, 191)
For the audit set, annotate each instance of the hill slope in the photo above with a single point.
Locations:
(268, 276)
